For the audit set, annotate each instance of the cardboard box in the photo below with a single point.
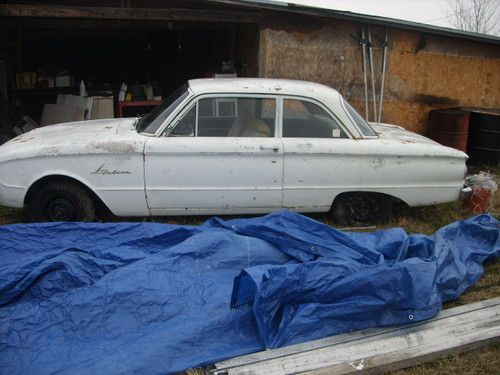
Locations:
(102, 107)
(25, 80)
(64, 81)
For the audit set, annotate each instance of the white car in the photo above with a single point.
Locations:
(229, 146)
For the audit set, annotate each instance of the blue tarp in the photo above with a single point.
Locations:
(151, 298)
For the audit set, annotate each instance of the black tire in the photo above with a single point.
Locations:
(362, 209)
(61, 201)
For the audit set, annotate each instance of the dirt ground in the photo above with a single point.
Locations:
(424, 220)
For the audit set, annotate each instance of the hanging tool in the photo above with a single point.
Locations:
(374, 95)
(363, 41)
(385, 45)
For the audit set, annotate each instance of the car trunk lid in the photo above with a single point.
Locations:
(395, 132)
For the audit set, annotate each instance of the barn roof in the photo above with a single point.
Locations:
(365, 18)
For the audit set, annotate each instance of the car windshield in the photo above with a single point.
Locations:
(365, 128)
(153, 120)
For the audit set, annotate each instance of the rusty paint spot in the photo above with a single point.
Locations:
(21, 140)
(378, 163)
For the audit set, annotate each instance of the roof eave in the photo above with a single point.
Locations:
(358, 17)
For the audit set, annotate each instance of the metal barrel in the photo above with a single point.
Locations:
(484, 138)
(450, 127)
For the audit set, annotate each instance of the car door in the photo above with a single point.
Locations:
(318, 161)
(220, 155)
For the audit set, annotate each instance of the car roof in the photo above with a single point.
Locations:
(262, 86)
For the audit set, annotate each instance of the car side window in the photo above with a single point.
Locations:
(236, 117)
(185, 126)
(303, 119)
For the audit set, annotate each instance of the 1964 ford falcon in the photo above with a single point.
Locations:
(229, 146)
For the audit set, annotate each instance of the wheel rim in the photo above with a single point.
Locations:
(60, 209)
(362, 209)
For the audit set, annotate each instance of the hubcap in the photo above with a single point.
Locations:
(60, 209)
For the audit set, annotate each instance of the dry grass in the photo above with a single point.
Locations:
(195, 371)
(414, 220)
(8, 216)
(476, 362)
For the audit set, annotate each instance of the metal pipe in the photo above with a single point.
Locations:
(363, 47)
(382, 82)
(374, 94)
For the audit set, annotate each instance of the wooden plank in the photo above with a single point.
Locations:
(453, 330)
(365, 334)
(176, 14)
(375, 354)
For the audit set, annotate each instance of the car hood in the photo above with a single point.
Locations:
(84, 137)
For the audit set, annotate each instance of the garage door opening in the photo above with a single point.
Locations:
(50, 63)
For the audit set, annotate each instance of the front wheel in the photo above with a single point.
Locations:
(362, 209)
(61, 201)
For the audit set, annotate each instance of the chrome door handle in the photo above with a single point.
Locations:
(274, 148)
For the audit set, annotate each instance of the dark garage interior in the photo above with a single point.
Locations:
(44, 58)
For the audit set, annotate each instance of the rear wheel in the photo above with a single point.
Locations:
(362, 209)
(61, 201)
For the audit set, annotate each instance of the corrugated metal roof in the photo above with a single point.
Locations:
(365, 18)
